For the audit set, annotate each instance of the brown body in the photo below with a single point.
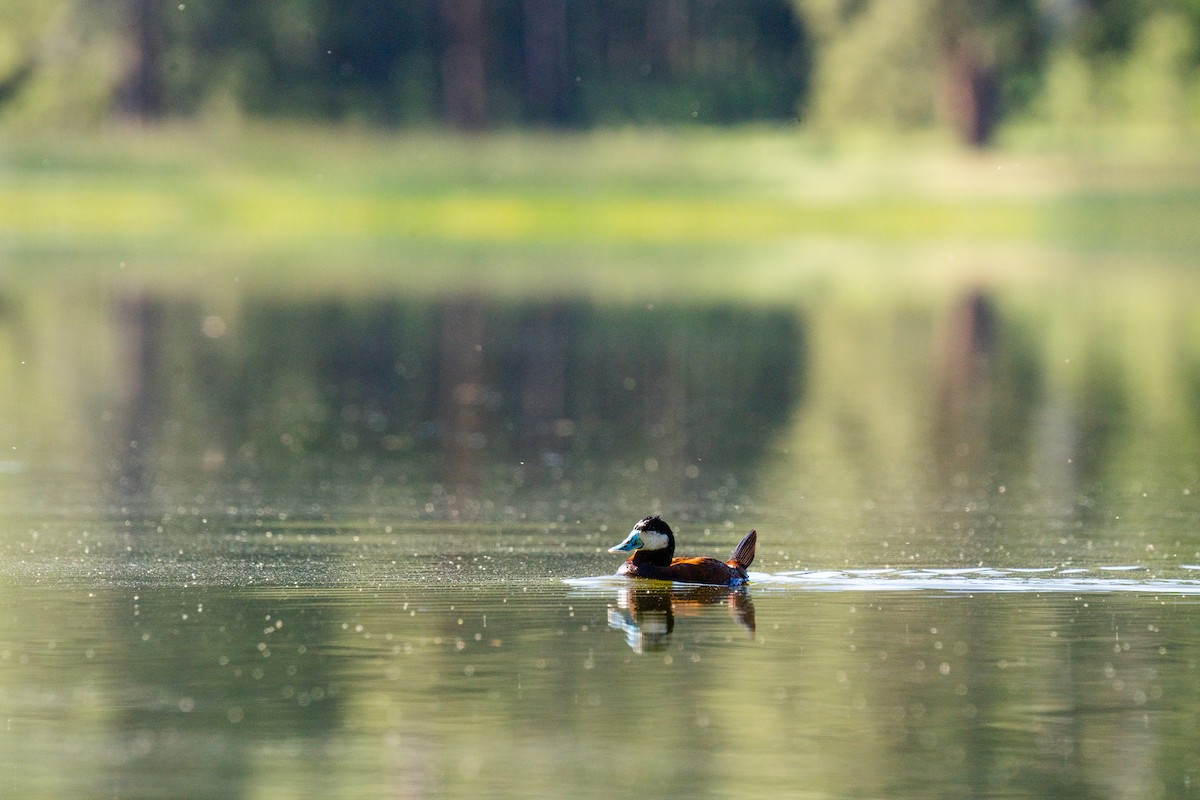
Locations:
(661, 564)
(683, 570)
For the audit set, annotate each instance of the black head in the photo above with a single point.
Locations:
(654, 524)
(649, 535)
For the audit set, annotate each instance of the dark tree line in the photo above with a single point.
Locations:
(478, 64)
(469, 63)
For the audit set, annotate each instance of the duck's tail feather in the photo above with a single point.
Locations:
(743, 554)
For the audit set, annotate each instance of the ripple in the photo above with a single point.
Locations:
(950, 580)
(979, 580)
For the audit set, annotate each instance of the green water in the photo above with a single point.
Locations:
(270, 547)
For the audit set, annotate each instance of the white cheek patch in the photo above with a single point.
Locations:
(653, 540)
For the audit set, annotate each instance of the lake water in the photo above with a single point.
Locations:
(258, 547)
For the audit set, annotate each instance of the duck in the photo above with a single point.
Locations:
(652, 543)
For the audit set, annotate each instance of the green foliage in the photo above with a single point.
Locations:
(875, 66)
(902, 64)
(1160, 78)
(23, 26)
(60, 61)
(1152, 85)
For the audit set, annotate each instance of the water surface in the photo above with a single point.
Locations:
(357, 548)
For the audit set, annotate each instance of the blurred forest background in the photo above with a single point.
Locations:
(970, 66)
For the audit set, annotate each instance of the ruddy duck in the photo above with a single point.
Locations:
(653, 547)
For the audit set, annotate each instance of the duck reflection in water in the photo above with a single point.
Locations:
(647, 613)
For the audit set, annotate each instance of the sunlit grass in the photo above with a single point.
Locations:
(277, 214)
(311, 206)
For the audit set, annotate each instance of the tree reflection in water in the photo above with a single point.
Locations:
(457, 409)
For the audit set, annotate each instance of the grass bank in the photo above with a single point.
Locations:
(614, 211)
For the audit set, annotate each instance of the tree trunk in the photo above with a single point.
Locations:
(972, 91)
(546, 78)
(667, 37)
(140, 94)
(464, 82)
